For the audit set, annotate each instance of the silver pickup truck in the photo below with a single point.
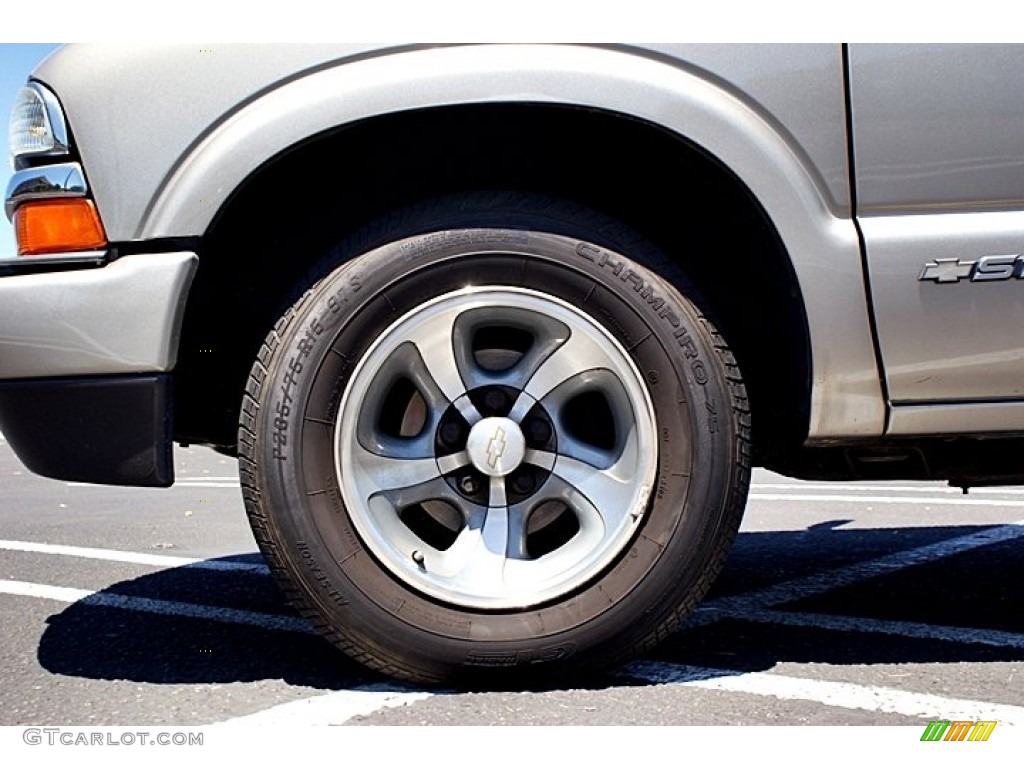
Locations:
(497, 332)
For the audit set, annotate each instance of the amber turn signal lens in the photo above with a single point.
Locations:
(57, 226)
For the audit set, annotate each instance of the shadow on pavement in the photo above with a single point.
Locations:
(111, 643)
(981, 588)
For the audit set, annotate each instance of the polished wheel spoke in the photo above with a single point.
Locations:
(516, 547)
(388, 473)
(543, 459)
(433, 337)
(612, 491)
(452, 462)
(497, 493)
(580, 352)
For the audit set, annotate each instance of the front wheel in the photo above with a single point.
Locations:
(485, 448)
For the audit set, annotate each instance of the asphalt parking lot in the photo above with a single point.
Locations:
(842, 604)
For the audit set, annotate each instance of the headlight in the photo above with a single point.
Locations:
(37, 125)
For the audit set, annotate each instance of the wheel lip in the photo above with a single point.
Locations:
(647, 447)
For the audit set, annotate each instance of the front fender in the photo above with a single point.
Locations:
(817, 232)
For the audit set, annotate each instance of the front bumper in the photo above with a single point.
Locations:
(122, 318)
(84, 362)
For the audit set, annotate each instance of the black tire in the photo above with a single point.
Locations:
(560, 597)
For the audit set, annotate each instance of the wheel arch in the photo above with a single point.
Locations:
(596, 100)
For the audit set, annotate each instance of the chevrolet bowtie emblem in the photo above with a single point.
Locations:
(947, 270)
(496, 447)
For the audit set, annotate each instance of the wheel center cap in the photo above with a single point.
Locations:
(496, 446)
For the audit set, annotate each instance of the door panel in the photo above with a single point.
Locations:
(938, 135)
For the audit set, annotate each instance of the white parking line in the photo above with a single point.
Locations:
(207, 484)
(232, 478)
(212, 478)
(845, 695)
(333, 708)
(825, 581)
(968, 635)
(162, 607)
(841, 488)
(139, 558)
(955, 501)
(196, 483)
(341, 706)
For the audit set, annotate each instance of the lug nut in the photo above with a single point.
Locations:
(469, 485)
(523, 484)
(538, 430)
(451, 433)
(496, 400)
